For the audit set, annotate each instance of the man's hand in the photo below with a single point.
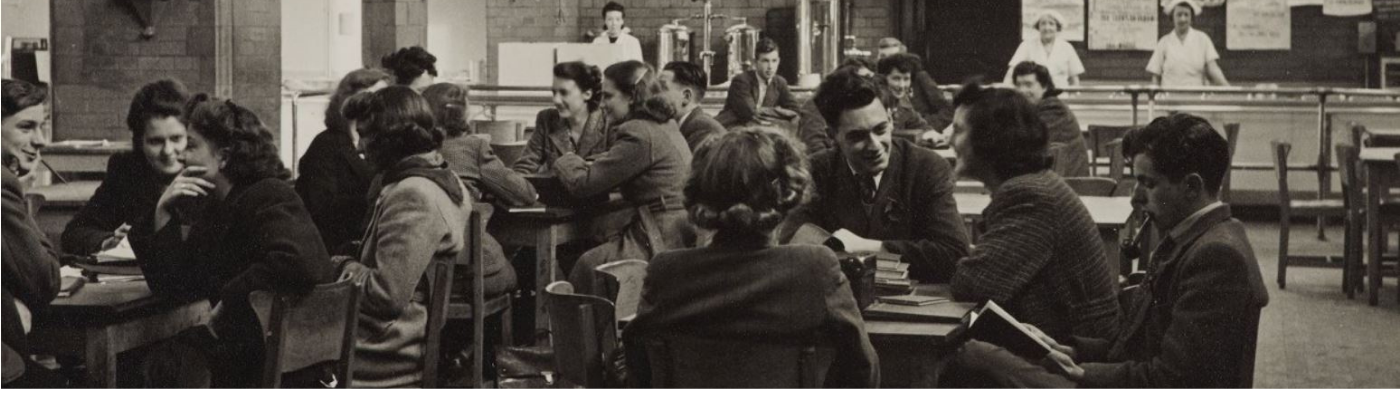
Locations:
(1061, 363)
(856, 244)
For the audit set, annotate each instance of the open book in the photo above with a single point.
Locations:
(992, 324)
(119, 254)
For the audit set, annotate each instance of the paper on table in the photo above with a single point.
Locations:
(122, 252)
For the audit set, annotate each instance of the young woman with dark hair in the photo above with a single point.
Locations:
(575, 124)
(334, 176)
(227, 225)
(648, 162)
(413, 67)
(1034, 81)
(135, 179)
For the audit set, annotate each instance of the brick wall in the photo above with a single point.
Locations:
(534, 21)
(100, 59)
(392, 24)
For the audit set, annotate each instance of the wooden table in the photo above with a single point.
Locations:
(1109, 213)
(912, 354)
(102, 320)
(545, 230)
(1381, 172)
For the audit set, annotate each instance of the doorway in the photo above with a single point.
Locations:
(960, 39)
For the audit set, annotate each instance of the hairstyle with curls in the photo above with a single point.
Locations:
(765, 46)
(252, 154)
(691, 75)
(746, 181)
(587, 77)
(904, 62)
(398, 123)
(1179, 145)
(845, 90)
(857, 62)
(1004, 129)
(20, 95)
(638, 81)
(160, 99)
(409, 63)
(614, 6)
(1041, 73)
(449, 102)
(354, 82)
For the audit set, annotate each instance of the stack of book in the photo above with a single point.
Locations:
(892, 275)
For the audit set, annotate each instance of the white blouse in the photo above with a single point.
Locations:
(1062, 61)
(631, 48)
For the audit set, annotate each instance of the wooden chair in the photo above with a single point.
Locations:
(679, 361)
(1099, 137)
(1092, 186)
(1232, 139)
(1364, 137)
(583, 334)
(628, 275)
(305, 330)
(1290, 207)
(478, 308)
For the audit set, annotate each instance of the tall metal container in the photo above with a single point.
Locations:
(673, 43)
(742, 40)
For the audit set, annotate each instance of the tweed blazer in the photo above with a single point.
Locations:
(741, 105)
(551, 140)
(700, 128)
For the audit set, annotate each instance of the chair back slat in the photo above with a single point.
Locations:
(1092, 186)
(680, 361)
(439, 296)
(1116, 161)
(1347, 156)
(583, 333)
(300, 332)
(1232, 139)
(1099, 137)
(1280, 152)
(629, 276)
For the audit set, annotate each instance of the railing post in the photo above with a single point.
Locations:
(1134, 93)
(1324, 159)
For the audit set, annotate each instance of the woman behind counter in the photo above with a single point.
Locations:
(228, 225)
(616, 34)
(649, 161)
(743, 284)
(135, 179)
(1049, 50)
(574, 125)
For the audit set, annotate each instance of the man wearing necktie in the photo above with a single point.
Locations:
(1194, 320)
(875, 193)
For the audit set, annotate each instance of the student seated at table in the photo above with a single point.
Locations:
(574, 126)
(412, 66)
(760, 95)
(30, 262)
(471, 156)
(419, 222)
(648, 163)
(334, 176)
(1039, 255)
(1033, 81)
(685, 85)
(1193, 321)
(877, 193)
(905, 76)
(135, 179)
(229, 225)
(812, 128)
(744, 285)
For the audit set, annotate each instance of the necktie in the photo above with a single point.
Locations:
(867, 189)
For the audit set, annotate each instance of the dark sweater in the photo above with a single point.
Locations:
(127, 195)
(30, 264)
(333, 182)
(1041, 258)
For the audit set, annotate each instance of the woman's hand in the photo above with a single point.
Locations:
(188, 185)
(116, 238)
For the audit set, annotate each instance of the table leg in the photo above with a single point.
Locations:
(100, 357)
(1374, 242)
(546, 263)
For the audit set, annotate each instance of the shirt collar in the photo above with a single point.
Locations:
(1181, 227)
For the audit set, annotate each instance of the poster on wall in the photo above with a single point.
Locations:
(1346, 8)
(1122, 25)
(1071, 10)
(1387, 10)
(1257, 25)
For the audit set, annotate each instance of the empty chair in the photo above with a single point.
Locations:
(1099, 137)
(305, 330)
(1290, 207)
(476, 307)
(584, 333)
(1092, 186)
(628, 275)
(681, 361)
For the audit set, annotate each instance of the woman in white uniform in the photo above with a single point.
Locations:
(1049, 50)
(1186, 56)
(629, 48)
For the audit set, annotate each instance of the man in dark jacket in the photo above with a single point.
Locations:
(1193, 321)
(875, 193)
(812, 128)
(685, 89)
(759, 94)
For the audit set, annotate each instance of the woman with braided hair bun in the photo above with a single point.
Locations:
(743, 284)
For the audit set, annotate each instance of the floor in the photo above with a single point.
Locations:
(1311, 335)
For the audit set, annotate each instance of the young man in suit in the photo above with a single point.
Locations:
(685, 88)
(812, 129)
(1194, 320)
(877, 193)
(759, 95)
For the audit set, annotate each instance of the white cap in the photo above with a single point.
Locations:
(1169, 5)
(1055, 16)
